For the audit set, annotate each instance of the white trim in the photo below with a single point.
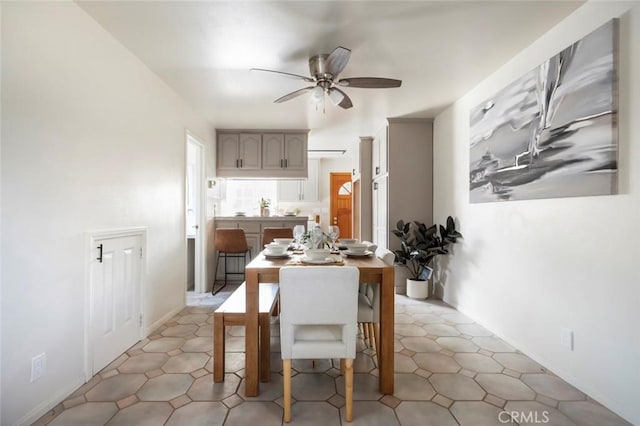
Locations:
(200, 278)
(91, 238)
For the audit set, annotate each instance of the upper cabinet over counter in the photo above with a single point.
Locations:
(261, 153)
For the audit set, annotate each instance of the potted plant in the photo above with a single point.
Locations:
(264, 207)
(419, 246)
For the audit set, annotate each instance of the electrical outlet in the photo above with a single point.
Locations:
(38, 366)
(566, 339)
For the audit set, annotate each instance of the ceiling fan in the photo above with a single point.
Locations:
(324, 70)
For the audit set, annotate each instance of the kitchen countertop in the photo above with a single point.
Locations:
(262, 218)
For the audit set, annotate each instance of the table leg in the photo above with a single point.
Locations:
(387, 296)
(251, 334)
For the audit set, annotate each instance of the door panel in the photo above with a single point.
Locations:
(115, 299)
(341, 203)
(272, 151)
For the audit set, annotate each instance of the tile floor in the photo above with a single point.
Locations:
(449, 371)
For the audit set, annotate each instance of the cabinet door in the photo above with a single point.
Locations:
(295, 151)
(250, 151)
(289, 190)
(272, 151)
(384, 150)
(380, 146)
(309, 190)
(227, 151)
(380, 205)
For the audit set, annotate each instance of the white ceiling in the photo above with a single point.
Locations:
(440, 50)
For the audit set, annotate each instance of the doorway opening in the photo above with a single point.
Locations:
(194, 215)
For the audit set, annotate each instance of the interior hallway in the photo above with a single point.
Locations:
(449, 371)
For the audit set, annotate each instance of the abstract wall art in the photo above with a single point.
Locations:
(553, 132)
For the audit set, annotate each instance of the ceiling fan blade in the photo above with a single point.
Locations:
(294, 94)
(301, 77)
(345, 102)
(338, 60)
(370, 82)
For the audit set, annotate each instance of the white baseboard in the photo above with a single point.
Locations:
(55, 399)
(151, 328)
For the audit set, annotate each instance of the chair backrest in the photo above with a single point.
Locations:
(231, 240)
(268, 234)
(386, 255)
(319, 296)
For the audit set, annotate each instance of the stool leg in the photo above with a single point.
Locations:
(213, 287)
(286, 372)
(348, 391)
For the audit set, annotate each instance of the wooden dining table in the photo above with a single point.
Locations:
(372, 270)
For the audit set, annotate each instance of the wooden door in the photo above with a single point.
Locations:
(116, 291)
(340, 207)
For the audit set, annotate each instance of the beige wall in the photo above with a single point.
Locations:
(91, 140)
(528, 269)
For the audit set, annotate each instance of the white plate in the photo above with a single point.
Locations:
(326, 261)
(275, 256)
(358, 254)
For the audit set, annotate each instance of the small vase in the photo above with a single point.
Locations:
(266, 212)
(417, 289)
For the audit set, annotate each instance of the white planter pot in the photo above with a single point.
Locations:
(417, 289)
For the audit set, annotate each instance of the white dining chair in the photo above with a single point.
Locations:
(318, 321)
(369, 305)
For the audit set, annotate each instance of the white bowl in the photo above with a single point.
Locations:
(283, 241)
(357, 248)
(345, 241)
(317, 254)
(275, 249)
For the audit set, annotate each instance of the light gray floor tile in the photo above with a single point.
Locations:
(143, 414)
(255, 413)
(370, 414)
(453, 364)
(424, 413)
(89, 414)
(117, 387)
(531, 413)
(165, 387)
(411, 387)
(477, 413)
(305, 413)
(478, 363)
(199, 414)
(505, 387)
(457, 386)
(552, 386)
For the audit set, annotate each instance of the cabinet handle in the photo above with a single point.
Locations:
(354, 172)
(286, 163)
(237, 163)
(241, 163)
(99, 258)
(281, 163)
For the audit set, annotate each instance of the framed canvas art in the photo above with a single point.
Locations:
(553, 132)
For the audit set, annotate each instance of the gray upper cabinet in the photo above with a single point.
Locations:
(262, 154)
(284, 151)
(239, 151)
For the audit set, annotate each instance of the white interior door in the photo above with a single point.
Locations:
(115, 300)
(194, 205)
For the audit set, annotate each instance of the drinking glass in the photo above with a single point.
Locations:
(316, 237)
(333, 233)
(298, 231)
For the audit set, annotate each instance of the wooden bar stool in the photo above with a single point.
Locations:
(230, 243)
(268, 234)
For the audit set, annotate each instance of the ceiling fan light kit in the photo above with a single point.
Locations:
(324, 70)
